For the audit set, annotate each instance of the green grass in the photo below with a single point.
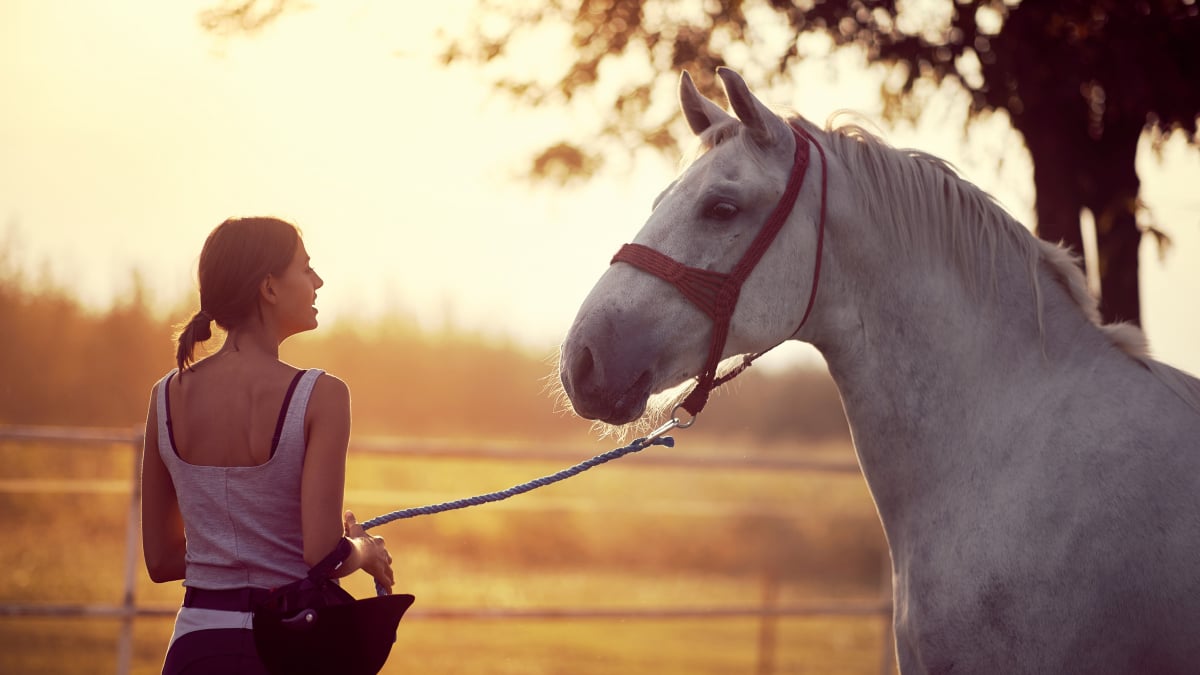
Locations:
(623, 536)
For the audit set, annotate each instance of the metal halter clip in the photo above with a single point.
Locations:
(670, 424)
(675, 418)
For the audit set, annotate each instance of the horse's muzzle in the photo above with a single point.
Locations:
(602, 381)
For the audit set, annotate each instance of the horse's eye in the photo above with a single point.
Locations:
(721, 210)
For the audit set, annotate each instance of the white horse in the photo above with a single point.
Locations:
(1036, 474)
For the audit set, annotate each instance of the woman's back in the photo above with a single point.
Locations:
(227, 410)
(238, 472)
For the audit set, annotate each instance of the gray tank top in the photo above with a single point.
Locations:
(242, 523)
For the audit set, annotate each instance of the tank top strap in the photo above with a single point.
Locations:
(165, 444)
(291, 428)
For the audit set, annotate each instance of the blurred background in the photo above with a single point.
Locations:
(463, 171)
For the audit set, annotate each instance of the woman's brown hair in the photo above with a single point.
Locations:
(236, 257)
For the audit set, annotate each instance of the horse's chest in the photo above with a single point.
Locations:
(960, 608)
(1081, 599)
(946, 624)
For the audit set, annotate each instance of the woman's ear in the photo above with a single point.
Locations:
(266, 290)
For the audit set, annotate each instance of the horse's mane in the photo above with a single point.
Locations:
(907, 179)
(926, 199)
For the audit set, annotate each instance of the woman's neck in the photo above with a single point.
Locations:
(253, 340)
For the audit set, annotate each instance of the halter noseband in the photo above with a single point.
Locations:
(715, 293)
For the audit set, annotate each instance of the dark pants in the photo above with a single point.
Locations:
(224, 651)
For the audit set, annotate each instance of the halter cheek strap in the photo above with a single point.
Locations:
(715, 293)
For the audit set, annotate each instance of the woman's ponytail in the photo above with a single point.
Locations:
(198, 329)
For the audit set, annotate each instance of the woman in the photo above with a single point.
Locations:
(245, 453)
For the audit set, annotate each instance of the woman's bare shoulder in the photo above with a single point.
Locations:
(329, 391)
(327, 420)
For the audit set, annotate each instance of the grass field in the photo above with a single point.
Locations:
(626, 536)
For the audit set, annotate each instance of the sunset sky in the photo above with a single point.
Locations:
(127, 133)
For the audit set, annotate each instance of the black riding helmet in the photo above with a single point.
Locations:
(314, 627)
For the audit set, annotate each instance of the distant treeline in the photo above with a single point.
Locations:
(63, 364)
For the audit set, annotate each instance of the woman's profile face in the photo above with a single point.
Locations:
(296, 293)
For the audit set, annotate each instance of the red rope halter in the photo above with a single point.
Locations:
(716, 294)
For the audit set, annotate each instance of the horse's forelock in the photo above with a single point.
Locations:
(722, 134)
(719, 133)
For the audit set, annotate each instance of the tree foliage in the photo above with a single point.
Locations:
(1119, 58)
(241, 16)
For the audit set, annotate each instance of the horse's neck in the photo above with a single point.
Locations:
(918, 359)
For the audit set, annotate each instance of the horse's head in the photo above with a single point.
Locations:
(637, 334)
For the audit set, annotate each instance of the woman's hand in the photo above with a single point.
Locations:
(372, 552)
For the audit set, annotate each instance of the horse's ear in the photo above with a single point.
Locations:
(700, 112)
(758, 118)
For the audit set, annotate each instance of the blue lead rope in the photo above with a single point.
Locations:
(656, 437)
(637, 445)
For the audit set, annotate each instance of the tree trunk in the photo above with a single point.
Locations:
(1073, 171)
(1082, 130)
(1111, 196)
(1058, 202)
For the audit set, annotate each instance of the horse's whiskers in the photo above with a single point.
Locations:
(658, 407)
(552, 386)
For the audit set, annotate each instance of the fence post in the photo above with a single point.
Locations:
(132, 532)
(767, 621)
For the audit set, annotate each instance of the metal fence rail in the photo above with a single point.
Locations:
(129, 610)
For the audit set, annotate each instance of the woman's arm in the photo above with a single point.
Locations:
(163, 543)
(323, 486)
(368, 554)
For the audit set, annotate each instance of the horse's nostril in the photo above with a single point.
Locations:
(582, 366)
